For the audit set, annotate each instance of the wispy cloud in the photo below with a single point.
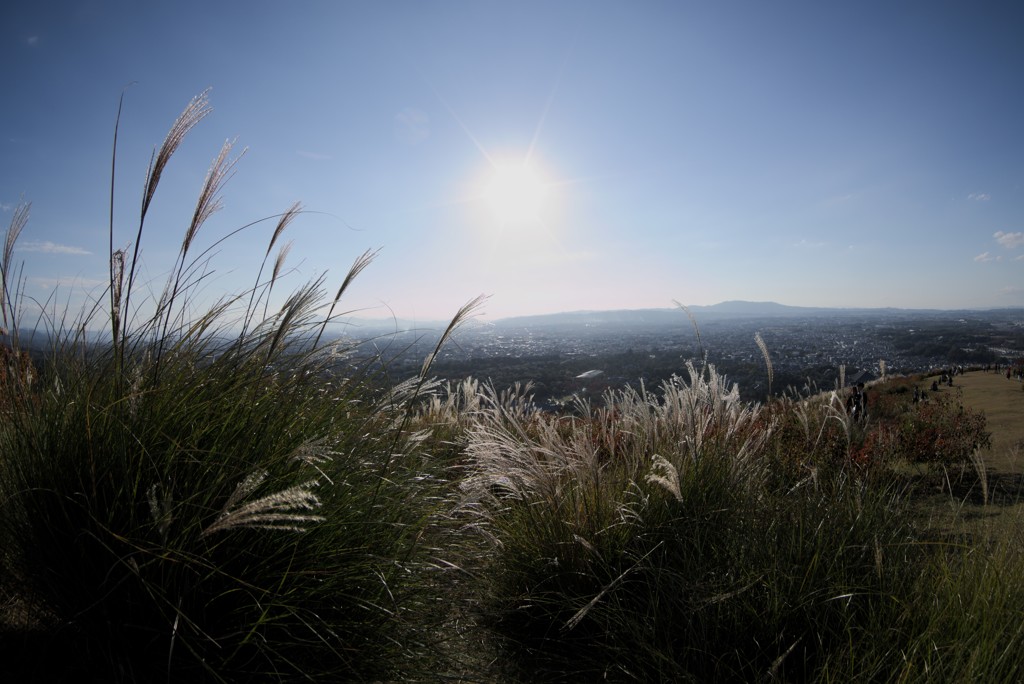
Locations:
(804, 243)
(32, 41)
(985, 256)
(68, 282)
(412, 125)
(1009, 240)
(1010, 291)
(4, 207)
(979, 196)
(839, 199)
(48, 247)
(313, 155)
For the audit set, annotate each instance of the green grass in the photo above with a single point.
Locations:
(194, 528)
(211, 496)
(221, 496)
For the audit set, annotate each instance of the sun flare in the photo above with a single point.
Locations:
(515, 193)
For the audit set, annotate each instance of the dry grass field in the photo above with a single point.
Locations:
(1002, 401)
(997, 506)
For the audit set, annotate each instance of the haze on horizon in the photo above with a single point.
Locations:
(557, 156)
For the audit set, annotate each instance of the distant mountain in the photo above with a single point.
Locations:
(739, 307)
(359, 327)
(668, 316)
(596, 318)
(730, 310)
(733, 310)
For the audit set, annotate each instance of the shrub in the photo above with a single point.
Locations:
(942, 432)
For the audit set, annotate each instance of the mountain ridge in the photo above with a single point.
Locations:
(731, 309)
(734, 309)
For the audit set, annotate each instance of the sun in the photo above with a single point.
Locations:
(515, 193)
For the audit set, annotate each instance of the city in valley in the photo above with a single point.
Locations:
(584, 353)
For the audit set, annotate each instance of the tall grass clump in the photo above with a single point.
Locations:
(646, 539)
(208, 496)
(967, 623)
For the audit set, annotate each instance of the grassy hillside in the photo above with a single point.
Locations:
(218, 496)
(1002, 401)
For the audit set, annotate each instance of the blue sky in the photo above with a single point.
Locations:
(819, 154)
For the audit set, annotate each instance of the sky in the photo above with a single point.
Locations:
(554, 156)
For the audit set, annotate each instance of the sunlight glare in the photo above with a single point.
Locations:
(515, 193)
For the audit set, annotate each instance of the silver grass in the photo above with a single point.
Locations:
(18, 221)
(246, 487)
(835, 409)
(454, 404)
(315, 452)
(361, 262)
(116, 286)
(221, 170)
(408, 390)
(689, 414)
(516, 454)
(666, 475)
(295, 312)
(278, 265)
(195, 112)
(519, 455)
(767, 359)
(284, 510)
(468, 310)
(279, 262)
(696, 328)
(802, 410)
(286, 218)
